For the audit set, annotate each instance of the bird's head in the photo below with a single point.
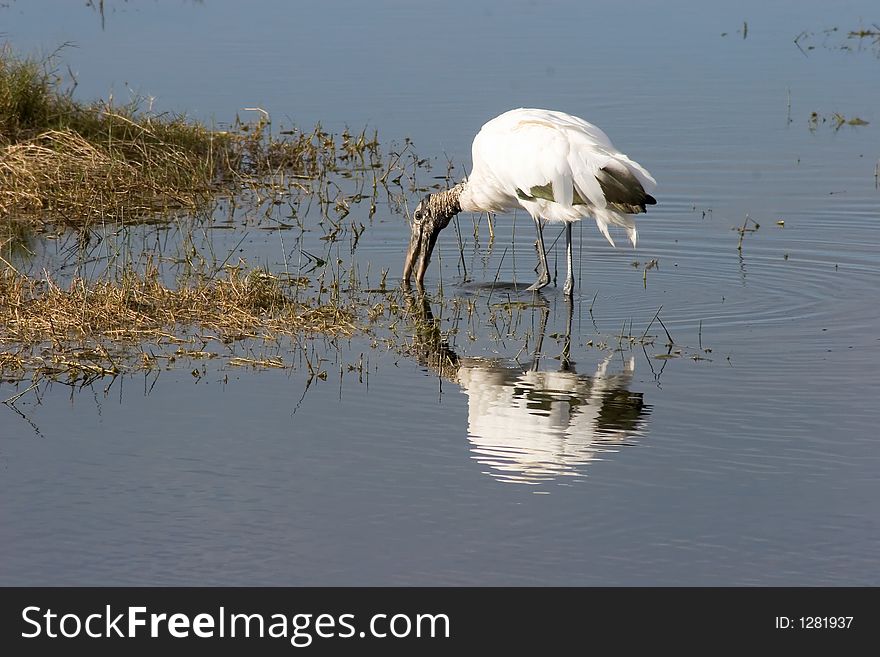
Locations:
(432, 214)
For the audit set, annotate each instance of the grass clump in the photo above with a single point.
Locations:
(62, 176)
(236, 303)
(28, 96)
(48, 329)
(67, 162)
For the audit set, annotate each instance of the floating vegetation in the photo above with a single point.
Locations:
(744, 31)
(871, 36)
(744, 229)
(834, 38)
(836, 120)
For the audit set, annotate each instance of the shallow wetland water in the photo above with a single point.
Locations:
(703, 412)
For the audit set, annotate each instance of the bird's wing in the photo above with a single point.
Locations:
(557, 157)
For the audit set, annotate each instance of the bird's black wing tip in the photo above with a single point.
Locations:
(650, 200)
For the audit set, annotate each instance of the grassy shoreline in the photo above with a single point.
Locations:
(74, 168)
(67, 162)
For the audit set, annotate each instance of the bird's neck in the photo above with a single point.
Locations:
(447, 203)
(466, 198)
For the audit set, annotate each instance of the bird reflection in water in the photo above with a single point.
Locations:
(531, 425)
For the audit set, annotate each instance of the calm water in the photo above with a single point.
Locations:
(549, 451)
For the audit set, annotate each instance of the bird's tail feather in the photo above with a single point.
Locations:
(606, 217)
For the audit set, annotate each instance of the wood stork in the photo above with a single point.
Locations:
(557, 166)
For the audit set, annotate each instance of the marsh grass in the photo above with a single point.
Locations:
(109, 327)
(69, 162)
(63, 161)
(91, 178)
(63, 177)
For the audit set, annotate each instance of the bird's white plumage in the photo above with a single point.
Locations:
(524, 149)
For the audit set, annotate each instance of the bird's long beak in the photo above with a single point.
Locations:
(412, 252)
(418, 256)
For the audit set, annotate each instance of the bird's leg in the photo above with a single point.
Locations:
(543, 270)
(569, 280)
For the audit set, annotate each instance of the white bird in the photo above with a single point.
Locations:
(557, 166)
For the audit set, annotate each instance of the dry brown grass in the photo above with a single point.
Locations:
(141, 168)
(61, 175)
(48, 329)
(67, 162)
